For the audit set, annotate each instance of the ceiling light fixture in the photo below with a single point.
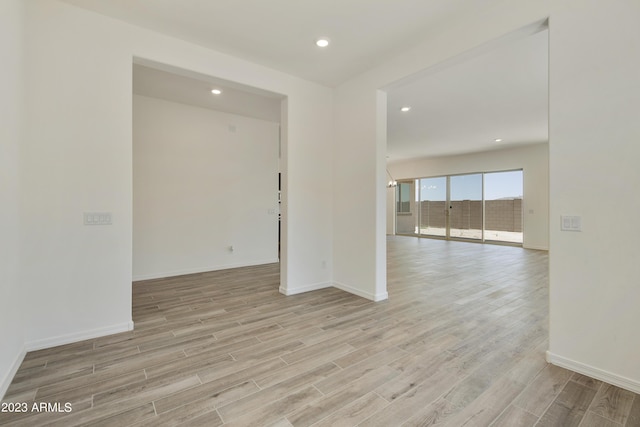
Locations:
(405, 109)
(498, 140)
(322, 42)
(216, 91)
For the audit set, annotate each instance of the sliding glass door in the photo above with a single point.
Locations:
(406, 212)
(479, 206)
(503, 206)
(433, 206)
(465, 206)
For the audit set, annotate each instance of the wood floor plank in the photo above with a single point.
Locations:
(273, 412)
(318, 349)
(634, 413)
(209, 419)
(275, 376)
(61, 351)
(354, 372)
(282, 422)
(586, 381)
(529, 366)
(48, 377)
(415, 370)
(220, 347)
(353, 413)
(322, 335)
(412, 401)
(364, 353)
(268, 350)
(240, 371)
(108, 353)
(330, 403)
(146, 390)
(140, 361)
(77, 388)
(189, 364)
(433, 414)
(209, 395)
(268, 395)
(612, 403)
(489, 405)
(543, 390)
(515, 417)
(199, 410)
(591, 419)
(125, 418)
(569, 407)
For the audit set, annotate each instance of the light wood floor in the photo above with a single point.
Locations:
(460, 341)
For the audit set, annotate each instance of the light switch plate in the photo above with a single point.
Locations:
(97, 218)
(570, 223)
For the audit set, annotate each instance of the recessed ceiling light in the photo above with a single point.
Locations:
(498, 140)
(216, 91)
(322, 42)
(405, 109)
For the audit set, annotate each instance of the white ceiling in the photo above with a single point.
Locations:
(461, 108)
(281, 34)
(195, 89)
(500, 94)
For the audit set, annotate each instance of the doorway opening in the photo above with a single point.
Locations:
(206, 168)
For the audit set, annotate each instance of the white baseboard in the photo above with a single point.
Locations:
(8, 377)
(368, 295)
(381, 296)
(534, 247)
(173, 273)
(302, 289)
(597, 373)
(78, 336)
(315, 287)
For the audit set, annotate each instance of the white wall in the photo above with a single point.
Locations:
(11, 121)
(78, 157)
(203, 180)
(594, 99)
(359, 253)
(594, 128)
(532, 159)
